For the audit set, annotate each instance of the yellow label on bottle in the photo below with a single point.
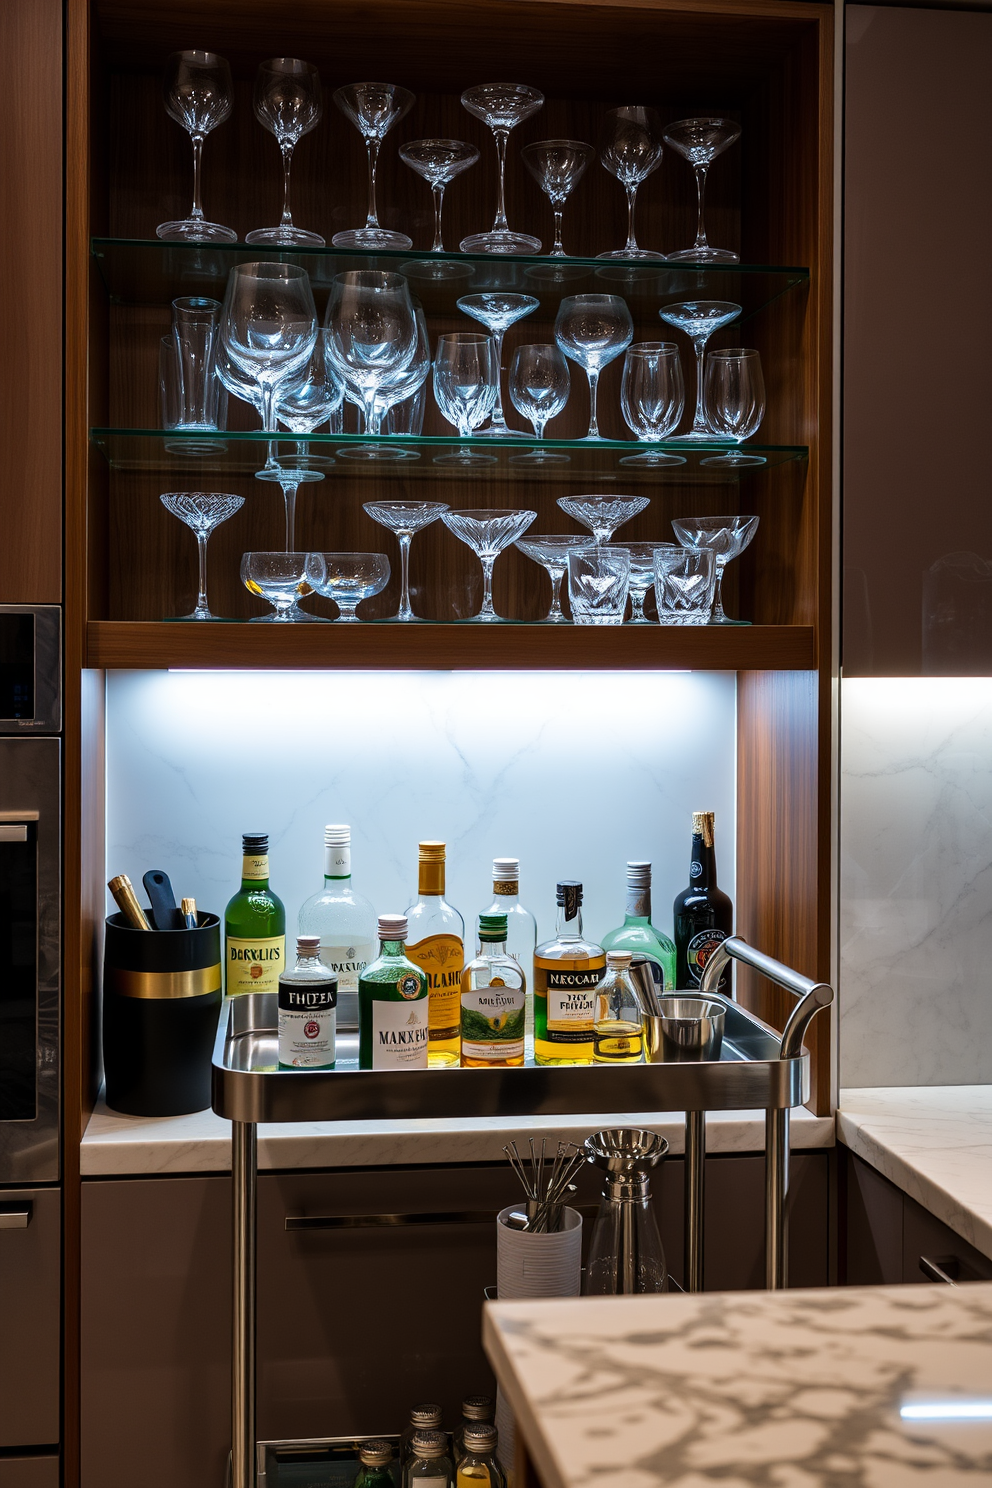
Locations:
(254, 965)
(255, 866)
(442, 959)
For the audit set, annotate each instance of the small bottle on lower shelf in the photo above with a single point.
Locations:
(425, 1417)
(479, 1468)
(376, 1465)
(494, 992)
(476, 1410)
(308, 998)
(618, 1031)
(392, 1005)
(429, 1464)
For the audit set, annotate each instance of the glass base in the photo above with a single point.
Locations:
(699, 436)
(199, 615)
(666, 619)
(639, 620)
(550, 619)
(285, 237)
(733, 461)
(371, 237)
(292, 616)
(597, 619)
(555, 273)
(196, 448)
(399, 619)
(654, 457)
(484, 620)
(467, 457)
(726, 620)
(538, 459)
(289, 473)
(703, 255)
(634, 253)
(437, 271)
(195, 230)
(500, 240)
(376, 452)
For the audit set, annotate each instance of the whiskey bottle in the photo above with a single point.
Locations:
(521, 926)
(426, 1417)
(429, 1464)
(345, 922)
(376, 1465)
(392, 1005)
(479, 1467)
(567, 971)
(254, 925)
(307, 1010)
(618, 1031)
(494, 992)
(638, 935)
(437, 946)
(704, 915)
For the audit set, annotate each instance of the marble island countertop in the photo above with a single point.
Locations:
(848, 1388)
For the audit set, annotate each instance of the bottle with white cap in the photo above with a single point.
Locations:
(521, 926)
(344, 921)
(392, 1004)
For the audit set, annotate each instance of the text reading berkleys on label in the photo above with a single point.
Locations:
(442, 959)
(254, 965)
(255, 866)
(493, 1023)
(399, 1035)
(699, 950)
(307, 1019)
(348, 962)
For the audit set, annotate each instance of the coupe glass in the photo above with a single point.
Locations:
(351, 577)
(642, 556)
(198, 95)
(283, 579)
(700, 141)
(438, 161)
(551, 551)
(734, 393)
(405, 518)
(373, 108)
(598, 585)
(487, 533)
(632, 148)
(699, 319)
(202, 511)
(726, 538)
(465, 384)
(502, 106)
(683, 585)
(288, 105)
(603, 514)
(497, 312)
(652, 397)
(593, 329)
(372, 335)
(269, 327)
(557, 166)
(539, 388)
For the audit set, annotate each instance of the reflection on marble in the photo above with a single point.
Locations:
(935, 1143)
(916, 881)
(777, 1390)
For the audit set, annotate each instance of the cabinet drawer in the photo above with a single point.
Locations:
(30, 1309)
(29, 1472)
(925, 1235)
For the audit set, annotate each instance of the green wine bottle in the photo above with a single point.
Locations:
(254, 925)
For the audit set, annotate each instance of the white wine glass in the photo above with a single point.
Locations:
(400, 391)
(593, 329)
(287, 104)
(198, 94)
(700, 141)
(372, 336)
(734, 393)
(283, 579)
(465, 384)
(438, 162)
(632, 148)
(487, 533)
(373, 108)
(551, 551)
(726, 538)
(603, 514)
(405, 519)
(699, 319)
(269, 326)
(557, 166)
(497, 311)
(202, 511)
(539, 389)
(502, 106)
(351, 577)
(652, 397)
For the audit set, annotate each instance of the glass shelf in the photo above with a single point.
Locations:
(147, 272)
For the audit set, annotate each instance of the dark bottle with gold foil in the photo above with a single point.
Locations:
(704, 914)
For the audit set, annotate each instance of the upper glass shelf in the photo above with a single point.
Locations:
(146, 271)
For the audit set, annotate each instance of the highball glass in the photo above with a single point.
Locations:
(734, 393)
(598, 585)
(631, 149)
(502, 106)
(202, 511)
(198, 95)
(551, 551)
(351, 577)
(603, 514)
(487, 533)
(700, 141)
(497, 312)
(404, 519)
(283, 579)
(438, 161)
(287, 104)
(373, 108)
(683, 585)
(652, 397)
(557, 166)
(593, 329)
(726, 538)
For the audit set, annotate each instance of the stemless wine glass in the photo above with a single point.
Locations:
(405, 519)
(438, 161)
(551, 551)
(683, 585)
(726, 538)
(288, 105)
(465, 383)
(373, 108)
(497, 311)
(202, 511)
(652, 397)
(351, 577)
(539, 388)
(603, 514)
(699, 319)
(487, 533)
(632, 148)
(593, 329)
(198, 95)
(557, 166)
(598, 585)
(502, 106)
(700, 141)
(372, 335)
(269, 327)
(734, 393)
(283, 579)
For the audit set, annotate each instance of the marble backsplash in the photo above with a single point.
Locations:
(916, 881)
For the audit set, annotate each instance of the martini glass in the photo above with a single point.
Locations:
(603, 514)
(487, 533)
(373, 108)
(699, 319)
(438, 161)
(202, 511)
(497, 312)
(351, 577)
(404, 519)
(593, 329)
(726, 538)
(287, 104)
(557, 166)
(502, 106)
(198, 96)
(632, 149)
(283, 579)
(700, 141)
(551, 551)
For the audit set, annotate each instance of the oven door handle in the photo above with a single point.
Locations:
(16, 1215)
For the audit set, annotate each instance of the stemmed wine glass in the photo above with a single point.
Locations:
(700, 141)
(202, 511)
(372, 335)
(373, 108)
(239, 384)
(502, 106)
(557, 166)
(465, 386)
(734, 391)
(288, 105)
(603, 514)
(198, 95)
(487, 533)
(283, 579)
(593, 329)
(404, 519)
(438, 161)
(539, 388)
(551, 551)
(652, 397)
(351, 577)
(699, 319)
(497, 312)
(726, 538)
(269, 327)
(632, 148)
(302, 406)
(395, 388)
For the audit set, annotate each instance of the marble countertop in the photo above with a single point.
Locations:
(803, 1389)
(935, 1143)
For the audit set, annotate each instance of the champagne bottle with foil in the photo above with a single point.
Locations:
(638, 935)
(567, 971)
(392, 1005)
(704, 914)
(437, 945)
(307, 1010)
(254, 925)
(345, 922)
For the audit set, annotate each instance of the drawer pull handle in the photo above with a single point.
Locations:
(400, 1221)
(935, 1270)
(16, 1216)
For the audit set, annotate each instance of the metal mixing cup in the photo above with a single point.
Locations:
(688, 1028)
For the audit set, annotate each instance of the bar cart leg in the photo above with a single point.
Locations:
(695, 1167)
(776, 1200)
(244, 1174)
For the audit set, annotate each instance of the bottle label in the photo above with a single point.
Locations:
(347, 962)
(255, 867)
(399, 1033)
(337, 861)
(441, 958)
(493, 1022)
(623, 1044)
(509, 886)
(571, 997)
(639, 903)
(307, 1023)
(700, 949)
(254, 965)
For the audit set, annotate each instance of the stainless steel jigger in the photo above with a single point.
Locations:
(626, 1254)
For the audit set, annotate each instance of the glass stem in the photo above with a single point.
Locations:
(558, 251)
(269, 411)
(497, 421)
(197, 211)
(487, 586)
(593, 375)
(438, 192)
(631, 243)
(405, 611)
(700, 424)
(556, 612)
(201, 546)
(372, 145)
(700, 197)
(717, 613)
(501, 137)
(287, 160)
(289, 497)
(373, 415)
(637, 605)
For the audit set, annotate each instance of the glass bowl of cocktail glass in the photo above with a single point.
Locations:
(726, 538)
(699, 319)
(438, 162)
(404, 519)
(603, 514)
(351, 577)
(283, 579)
(551, 551)
(487, 533)
(201, 511)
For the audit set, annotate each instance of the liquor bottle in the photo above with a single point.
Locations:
(392, 1005)
(254, 924)
(521, 926)
(638, 935)
(494, 994)
(376, 1470)
(479, 1468)
(345, 922)
(437, 946)
(429, 1464)
(704, 914)
(307, 1010)
(567, 971)
(618, 1030)
(476, 1410)
(426, 1417)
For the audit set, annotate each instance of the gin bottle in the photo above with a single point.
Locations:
(494, 991)
(704, 915)
(392, 1005)
(307, 1010)
(437, 946)
(638, 935)
(345, 922)
(521, 926)
(254, 925)
(567, 971)
(375, 1471)
(618, 1030)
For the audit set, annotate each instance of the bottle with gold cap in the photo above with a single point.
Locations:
(392, 1005)
(704, 914)
(437, 945)
(618, 1029)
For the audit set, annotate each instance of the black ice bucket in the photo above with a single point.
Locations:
(161, 1000)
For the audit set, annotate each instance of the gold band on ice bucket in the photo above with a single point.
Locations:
(156, 985)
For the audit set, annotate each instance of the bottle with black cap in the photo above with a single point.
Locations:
(254, 925)
(567, 971)
(376, 1458)
(429, 1464)
(479, 1468)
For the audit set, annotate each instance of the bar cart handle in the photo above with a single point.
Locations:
(813, 995)
(820, 995)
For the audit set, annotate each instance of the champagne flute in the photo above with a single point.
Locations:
(700, 141)
(557, 166)
(198, 95)
(502, 106)
(593, 329)
(632, 149)
(438, 161)
(288, 104)
(373, 108)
